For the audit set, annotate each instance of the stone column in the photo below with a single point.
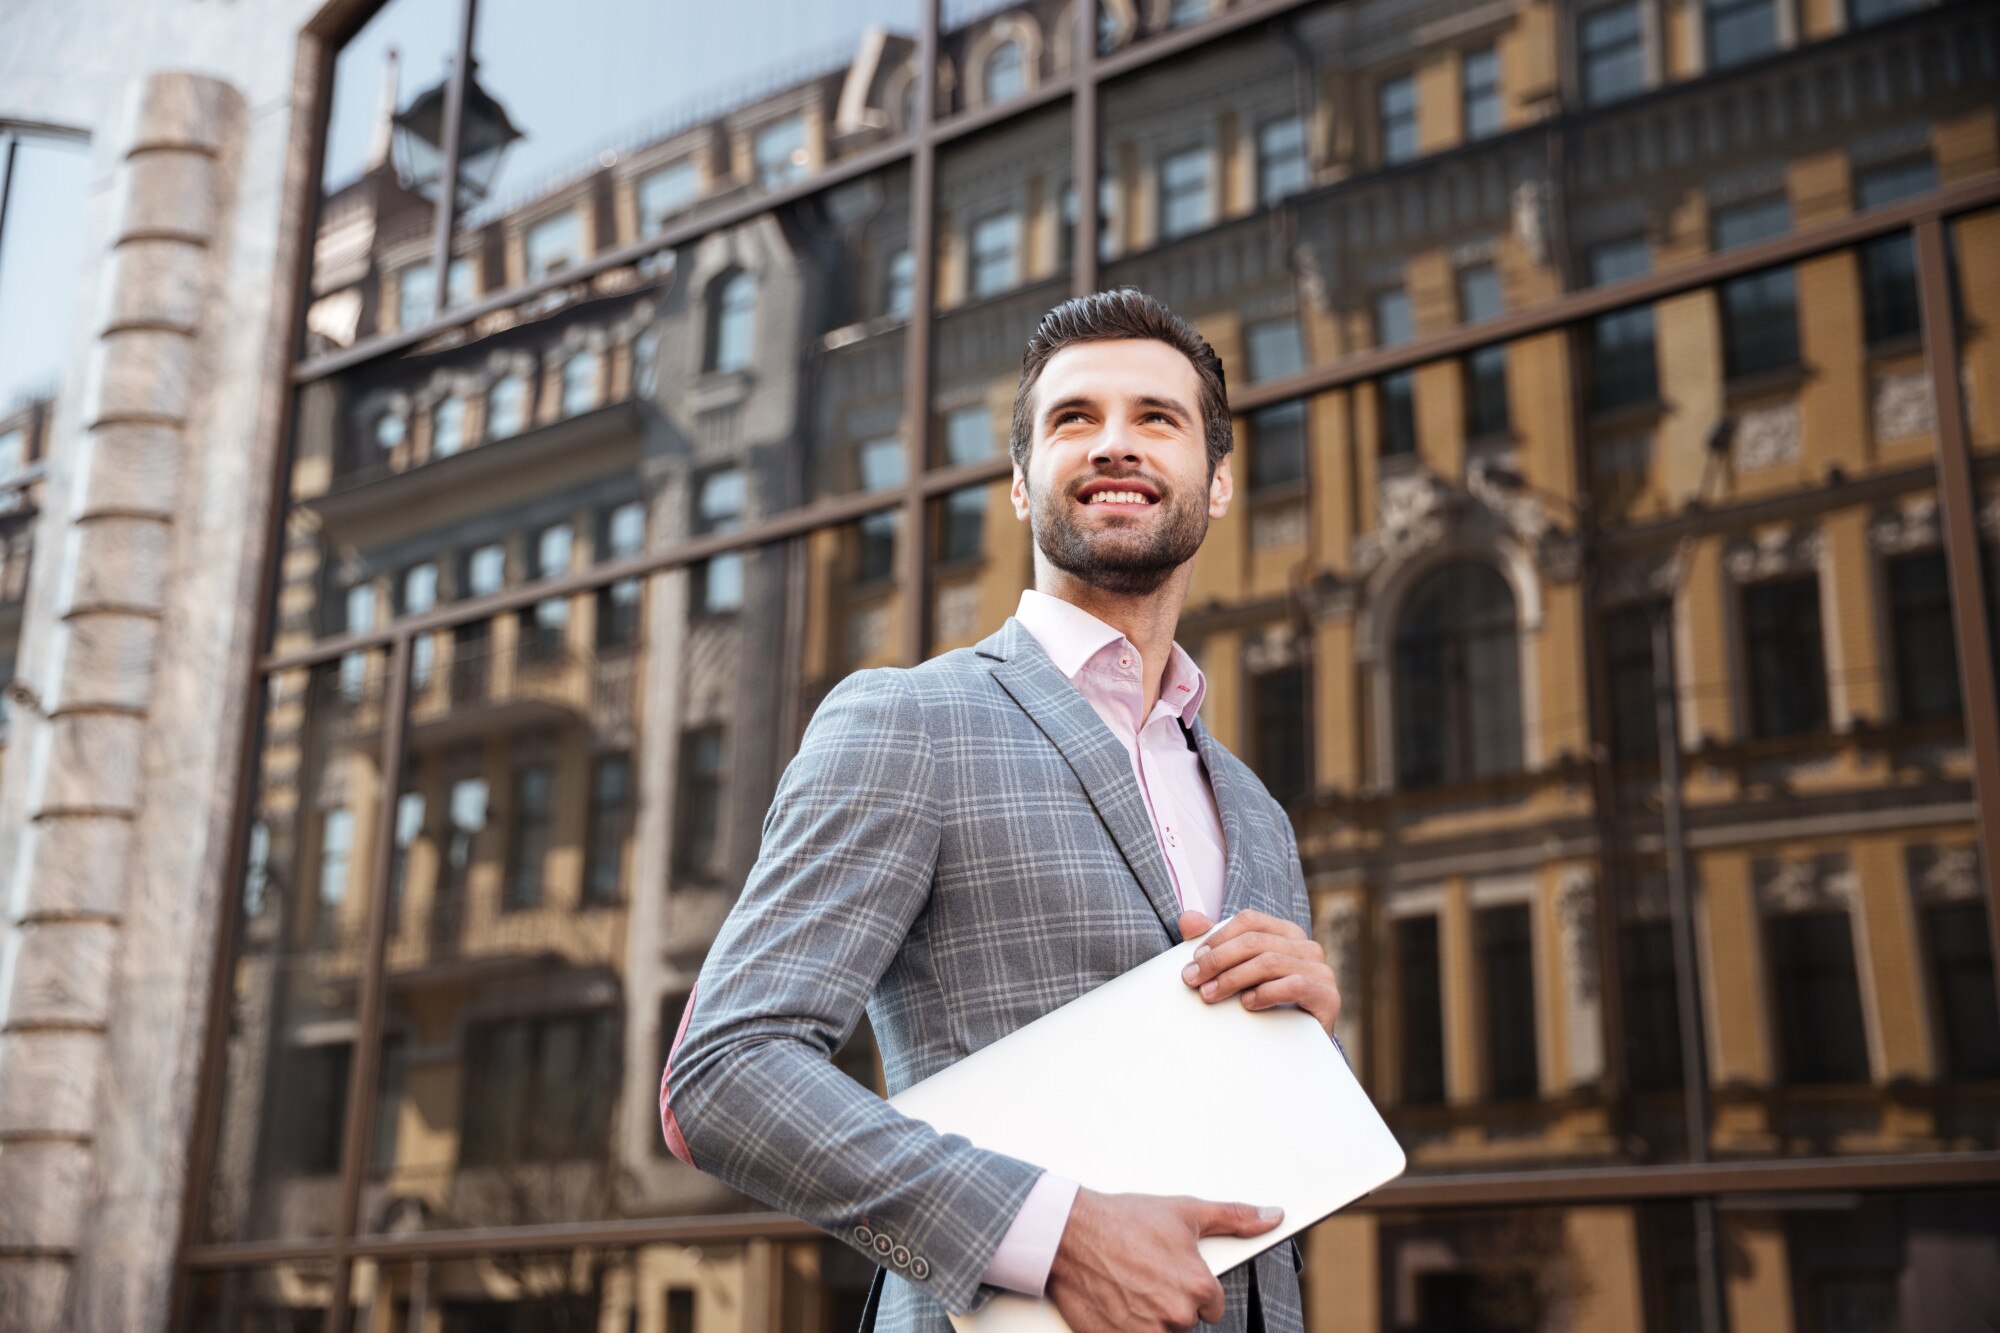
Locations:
(103, 967)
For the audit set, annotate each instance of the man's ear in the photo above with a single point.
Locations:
(1221, 489)
(1019, 492)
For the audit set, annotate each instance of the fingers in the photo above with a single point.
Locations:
(1234, 1219)
(1252, 920)
(1213, 960)
(1210, 1308)
(1321, 1000)
(1194, 925)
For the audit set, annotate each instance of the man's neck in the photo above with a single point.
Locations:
(1149, 620)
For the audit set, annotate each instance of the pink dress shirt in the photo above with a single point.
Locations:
(1106, 670)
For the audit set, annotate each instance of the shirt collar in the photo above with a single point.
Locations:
(1072, 637)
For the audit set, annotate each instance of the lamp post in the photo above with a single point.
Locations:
(484, 133)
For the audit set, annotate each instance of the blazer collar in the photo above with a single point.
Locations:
(1025, 671)
(1232, 801)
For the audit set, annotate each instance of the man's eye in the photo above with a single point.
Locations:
(1065, 418)
(1158, 416)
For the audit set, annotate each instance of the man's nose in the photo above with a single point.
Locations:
(1115, 444)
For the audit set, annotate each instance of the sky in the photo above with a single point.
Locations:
(584, 76)
(41, 257)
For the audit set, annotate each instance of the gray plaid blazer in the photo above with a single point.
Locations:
(959, 848)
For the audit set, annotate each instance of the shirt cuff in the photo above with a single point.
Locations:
(1028, 1250)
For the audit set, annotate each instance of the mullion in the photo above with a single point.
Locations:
(912, 571)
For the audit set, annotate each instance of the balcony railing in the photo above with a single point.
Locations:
(455, 693)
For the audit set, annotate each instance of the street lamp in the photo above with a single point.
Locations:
(484, 133)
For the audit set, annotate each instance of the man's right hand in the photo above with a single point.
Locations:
(1128, 1261)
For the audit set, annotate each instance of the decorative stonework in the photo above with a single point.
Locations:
(1337, 925)
(1910, 526)
(1576, 908)
(1824, 883)
(1275, 649)
(1767, 436)
(1901, 406)
(1774, 552)
(1943, 874)
(1636, 579)
(1531, 228)
(1278, 525)
(1416, 509)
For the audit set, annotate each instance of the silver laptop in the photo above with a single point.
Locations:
(1141, 1086)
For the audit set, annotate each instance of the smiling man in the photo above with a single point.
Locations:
(961, 847)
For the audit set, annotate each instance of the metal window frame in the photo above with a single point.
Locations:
(318, 48)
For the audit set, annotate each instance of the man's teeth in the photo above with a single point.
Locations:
(1117, 498)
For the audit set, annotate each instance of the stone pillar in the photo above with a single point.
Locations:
(101, 976)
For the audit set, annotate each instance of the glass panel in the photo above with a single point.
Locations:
(372, 271)
(993, 51)
(301, 943)
(776, 336)
(981, 558)
(804, 1285)
(1002, 262)
(41, 258)
(1976, 271)
(292, 1297)
(680, 114)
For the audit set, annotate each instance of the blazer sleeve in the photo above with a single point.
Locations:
(846, 867)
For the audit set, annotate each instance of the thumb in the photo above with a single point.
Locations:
(1194, 925)
(1234, 1219)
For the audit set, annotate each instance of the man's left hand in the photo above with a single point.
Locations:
(1263, 960)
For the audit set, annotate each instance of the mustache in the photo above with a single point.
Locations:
(1159, 487)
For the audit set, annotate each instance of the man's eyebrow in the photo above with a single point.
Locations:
(1172, 405)
(1065, 404)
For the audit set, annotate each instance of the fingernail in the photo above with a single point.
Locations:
(1208, 989)
(1189, 973)
(1201, 953)
(1268, 1213)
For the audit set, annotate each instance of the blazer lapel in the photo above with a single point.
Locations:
(1092, 752)
(1232, 801)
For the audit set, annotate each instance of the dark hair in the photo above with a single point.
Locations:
(1126, 312)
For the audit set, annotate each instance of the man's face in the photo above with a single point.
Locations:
(1117, 489)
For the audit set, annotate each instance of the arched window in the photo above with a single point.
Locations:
(448, 427)
(579, 383)
(1005, 76)
(1458, 678)
(732, 314)
(506, 407)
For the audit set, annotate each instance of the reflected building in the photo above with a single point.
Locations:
(699, 380)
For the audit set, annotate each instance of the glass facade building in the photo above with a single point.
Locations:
(632, 401)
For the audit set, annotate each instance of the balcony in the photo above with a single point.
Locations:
(457, 694)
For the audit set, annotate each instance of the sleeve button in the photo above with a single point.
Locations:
(863, 1237)
(882, 1243)
(920, 1268)
(901, 1257)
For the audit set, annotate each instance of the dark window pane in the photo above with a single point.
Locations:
(1277, 446)
(1760, 323)
(1819, 998)
(1282, 731)
(1457, 681)
(1283, 164)
(1507, 966)
(1889, 301)
(1628, 665)
(699, 805)
(1398, 396)
(539, 1089)
(1652, 1007)
(1962, 958)
(1739, 30)
(1481, 92)
(1787, 659)
(1397, 108)
(1612, 52)
(1623, 370)
(1421, 1010)
(1925, 647)
(531, 822)
(611, 811)
(962, 533)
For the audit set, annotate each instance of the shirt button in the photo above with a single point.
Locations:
(1124, 661)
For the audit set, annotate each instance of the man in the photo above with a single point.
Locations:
(964, 846)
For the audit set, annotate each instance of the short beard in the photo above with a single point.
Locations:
(1107, 561)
